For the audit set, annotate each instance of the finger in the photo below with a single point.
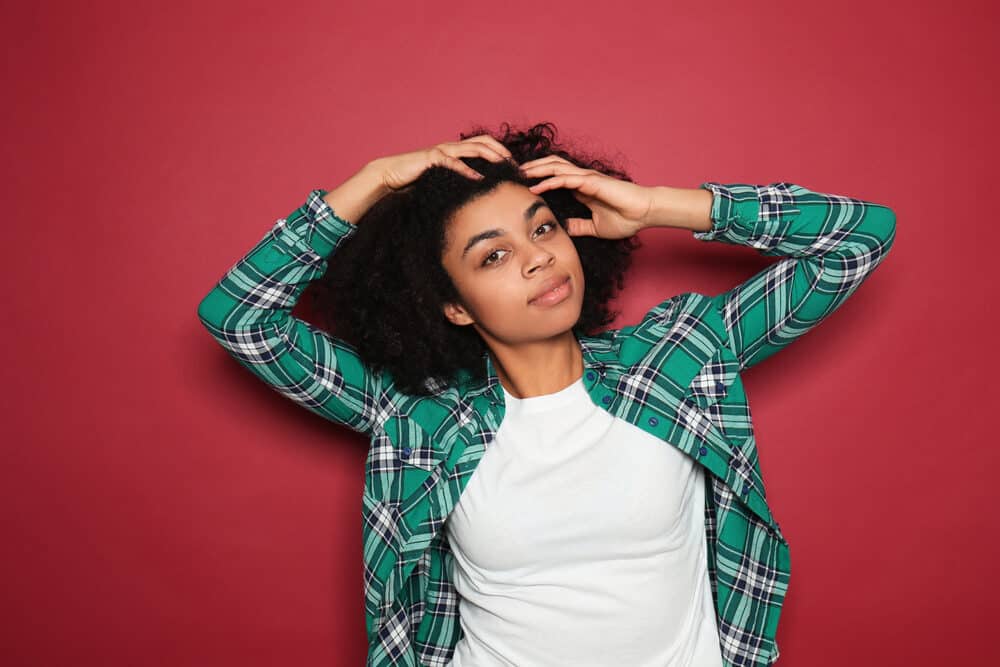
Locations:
(500, 148)
(460, 167)
(474, 149)
(488, 141)
(552, 168)
(573, 181)
(581, 227)
(546, 159)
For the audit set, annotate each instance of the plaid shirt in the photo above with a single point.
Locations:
(675, 374)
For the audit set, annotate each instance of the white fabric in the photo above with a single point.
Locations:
(580, 540)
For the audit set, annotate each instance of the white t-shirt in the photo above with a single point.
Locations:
(580, 540)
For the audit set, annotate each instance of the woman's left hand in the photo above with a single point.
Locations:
(618, 208)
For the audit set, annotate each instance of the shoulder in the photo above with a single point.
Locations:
(446, 408)
(689, 317)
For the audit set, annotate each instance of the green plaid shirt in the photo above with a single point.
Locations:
(675, 374)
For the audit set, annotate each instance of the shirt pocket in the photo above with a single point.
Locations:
(413, 446)
(714, 380)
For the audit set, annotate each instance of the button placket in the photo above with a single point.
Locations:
(739, 463)
(595, 372)
(595, 375)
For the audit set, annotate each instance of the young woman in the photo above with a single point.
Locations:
(539, 491)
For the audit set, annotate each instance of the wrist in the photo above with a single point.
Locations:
(683, 208)
(371, 176)
(352, 198)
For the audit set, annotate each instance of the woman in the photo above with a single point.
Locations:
(470, 283)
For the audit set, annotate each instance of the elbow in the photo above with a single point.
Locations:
(887, 228)
(880, 227)
(209, 314)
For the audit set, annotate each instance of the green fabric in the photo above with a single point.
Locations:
(675, 374)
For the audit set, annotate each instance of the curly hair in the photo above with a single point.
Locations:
(385, 289)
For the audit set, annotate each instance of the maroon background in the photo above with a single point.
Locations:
(162, 507)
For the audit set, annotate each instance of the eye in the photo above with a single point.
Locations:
(487, 261)
(489, 258)
(549, 224)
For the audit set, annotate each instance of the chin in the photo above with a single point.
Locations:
(560, 322)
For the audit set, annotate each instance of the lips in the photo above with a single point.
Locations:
(547, 286)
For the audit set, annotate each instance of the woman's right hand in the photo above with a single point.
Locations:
(398, 171)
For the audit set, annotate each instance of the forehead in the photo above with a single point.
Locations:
(504, 204)
(502, 207)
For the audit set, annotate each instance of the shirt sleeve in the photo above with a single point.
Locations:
(829, 245)
(249, 313)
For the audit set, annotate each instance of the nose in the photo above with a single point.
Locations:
(539, 259)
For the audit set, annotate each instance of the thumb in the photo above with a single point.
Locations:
(580, 227)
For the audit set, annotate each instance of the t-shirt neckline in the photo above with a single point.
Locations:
(544, 402)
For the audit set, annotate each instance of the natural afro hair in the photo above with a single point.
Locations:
(384, 290)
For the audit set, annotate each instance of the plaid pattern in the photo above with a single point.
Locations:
(675, 374)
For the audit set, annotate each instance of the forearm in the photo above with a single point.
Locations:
(249, 313)
(788, 220)
(684, 208)
(352, 198)
(829, 245)
(263, 285)
(293, 253)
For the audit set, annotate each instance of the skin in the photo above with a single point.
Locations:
(532, 347)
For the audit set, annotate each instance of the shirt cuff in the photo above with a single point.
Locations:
(316, 228)
(723, 214)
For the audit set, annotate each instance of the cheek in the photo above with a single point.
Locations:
(569, 254)
(486, 294)
(465, 284)
(499, 292)
(497, 299)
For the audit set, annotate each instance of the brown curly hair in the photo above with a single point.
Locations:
(384, 290)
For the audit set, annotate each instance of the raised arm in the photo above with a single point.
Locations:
(829, 245)
(249, 310)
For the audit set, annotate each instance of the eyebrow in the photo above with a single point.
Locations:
(529, 213)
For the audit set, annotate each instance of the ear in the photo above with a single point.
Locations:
(457, 314)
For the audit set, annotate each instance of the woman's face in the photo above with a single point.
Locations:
(504, 252)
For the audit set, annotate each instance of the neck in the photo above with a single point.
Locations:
(539, 367)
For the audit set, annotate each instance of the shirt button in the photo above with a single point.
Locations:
(406, 451)
(746, 489)
(653, 421)
(590, 375)
(702, 450)
(719, 387)
(606, 399)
